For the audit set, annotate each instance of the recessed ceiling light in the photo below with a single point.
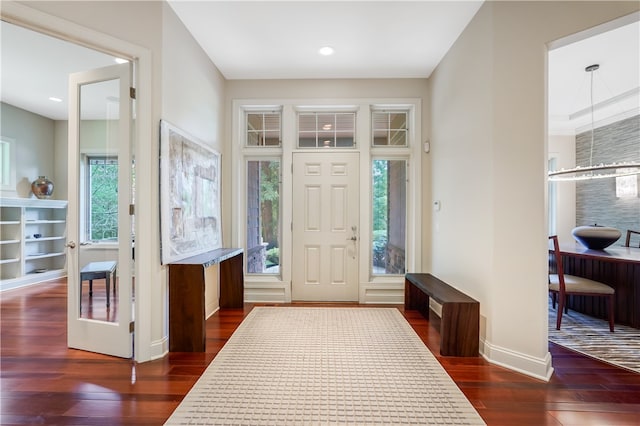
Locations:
(54, 99)
(121, 61)
(326, 51)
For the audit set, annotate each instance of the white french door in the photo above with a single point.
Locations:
(325, 226)
(99, 134)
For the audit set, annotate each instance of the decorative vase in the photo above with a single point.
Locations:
(42, 187)
(596, 237)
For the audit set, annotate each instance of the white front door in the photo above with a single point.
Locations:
(100, 243)
(325, 226)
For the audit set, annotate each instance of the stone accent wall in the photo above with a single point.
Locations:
(596, 201)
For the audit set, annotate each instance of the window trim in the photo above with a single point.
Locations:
(270, 288)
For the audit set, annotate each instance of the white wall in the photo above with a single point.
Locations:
(34, 145)
(489, 154)
(563, 149)
(192, 100)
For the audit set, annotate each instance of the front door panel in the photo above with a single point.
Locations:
(325, 226)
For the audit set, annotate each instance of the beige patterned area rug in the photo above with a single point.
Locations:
(325, 366)
(591, 336)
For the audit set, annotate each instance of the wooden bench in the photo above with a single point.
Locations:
(460, 319)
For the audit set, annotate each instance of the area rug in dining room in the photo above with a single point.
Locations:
(591, 336)
(302, 365)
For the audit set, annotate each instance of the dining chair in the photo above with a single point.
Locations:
(627, 242)
(563, 285)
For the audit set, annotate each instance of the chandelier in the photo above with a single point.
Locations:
(597, 171)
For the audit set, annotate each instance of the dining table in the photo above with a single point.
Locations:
(616, 266)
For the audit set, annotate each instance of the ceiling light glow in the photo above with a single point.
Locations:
(54, 99)
(120, 61)
(326, 51)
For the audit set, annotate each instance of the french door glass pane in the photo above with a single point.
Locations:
(389, 214)
(263, 217)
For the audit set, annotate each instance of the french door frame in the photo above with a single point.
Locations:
(147, 346)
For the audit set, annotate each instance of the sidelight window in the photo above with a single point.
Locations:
(389, 216)
(263, 216)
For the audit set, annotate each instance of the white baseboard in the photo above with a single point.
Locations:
(262, 294)
(31, 279)
(158, 349)
(539, 368)
(382, 293)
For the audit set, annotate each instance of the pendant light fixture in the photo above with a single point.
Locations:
(597, 171)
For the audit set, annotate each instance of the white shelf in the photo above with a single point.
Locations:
(28, 216)
(40, 222)
(33, 202)
(36, 240)
(43, 256)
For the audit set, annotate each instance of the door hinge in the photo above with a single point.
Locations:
(132, 209)
(132, 327)
(132, 92)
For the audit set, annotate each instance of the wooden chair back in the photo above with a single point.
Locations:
(627, 242)
(558, 263)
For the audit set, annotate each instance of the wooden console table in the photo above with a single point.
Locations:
(187, 283)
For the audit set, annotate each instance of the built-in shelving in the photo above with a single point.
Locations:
(32, 241)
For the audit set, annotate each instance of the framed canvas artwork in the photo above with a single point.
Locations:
(189, 195)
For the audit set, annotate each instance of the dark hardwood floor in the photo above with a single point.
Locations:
(44, 382)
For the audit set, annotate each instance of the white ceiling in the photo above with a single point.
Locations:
(36, 67)
(618, 53)
(372, 39)
(281, 39)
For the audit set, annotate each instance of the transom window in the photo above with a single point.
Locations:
(326, 129)
(389, 128)
(263, 128)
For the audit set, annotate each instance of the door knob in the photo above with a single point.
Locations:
(71, 244)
